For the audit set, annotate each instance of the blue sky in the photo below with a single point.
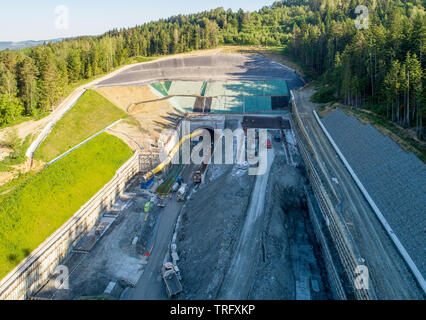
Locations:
(35, 20)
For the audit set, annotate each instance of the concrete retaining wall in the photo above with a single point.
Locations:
(345, 249)
(34, 271)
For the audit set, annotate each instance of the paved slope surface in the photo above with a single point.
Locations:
(389, 274)
(235, 284)
(214, 67)
(395, 179)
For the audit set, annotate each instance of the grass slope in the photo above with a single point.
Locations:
(91, 114)
(34, 210)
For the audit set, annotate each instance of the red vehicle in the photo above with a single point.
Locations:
(268, 144)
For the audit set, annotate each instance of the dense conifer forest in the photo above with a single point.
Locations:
(380, 66)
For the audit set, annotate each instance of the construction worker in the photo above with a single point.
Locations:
(147, 207)
(179, 180)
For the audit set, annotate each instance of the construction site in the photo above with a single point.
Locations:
(316, 224)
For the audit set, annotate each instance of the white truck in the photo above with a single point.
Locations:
(171, 279)
(181, 193)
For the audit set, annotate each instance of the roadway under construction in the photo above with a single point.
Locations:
(279, 235)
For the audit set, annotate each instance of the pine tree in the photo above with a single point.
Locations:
(28, 84)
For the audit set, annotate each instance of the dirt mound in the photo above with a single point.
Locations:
(208, 232)
(147, 120)
(289, 261)
(285, 262)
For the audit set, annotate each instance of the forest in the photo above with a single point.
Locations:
(380, 67)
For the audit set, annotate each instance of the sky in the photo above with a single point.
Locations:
(49, 19)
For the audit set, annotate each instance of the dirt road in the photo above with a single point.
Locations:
(150, 285)
(389, 275)
(236, 284)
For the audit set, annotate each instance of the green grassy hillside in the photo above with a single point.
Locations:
(33, 211)
(91, 114)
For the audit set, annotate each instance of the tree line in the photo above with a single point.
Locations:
(381, 66)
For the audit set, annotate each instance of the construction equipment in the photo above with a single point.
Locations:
(146, 184)
(179, 180)
(171, 280)
(268, 144)
(169, 265)
(197, 176)
(162, 165)
(175, 187)
(161, 203)
(180, 195)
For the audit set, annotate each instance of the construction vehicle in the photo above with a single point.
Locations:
(170, 265)
(147, 176)
(180, 195)
(171, 280)
(268, 144)
(197, 176)
(161, 203)
(146, 184)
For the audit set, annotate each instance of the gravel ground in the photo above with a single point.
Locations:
(208, 233)
(112, 259)
(285, 262)
(389, 275)
(288, 253)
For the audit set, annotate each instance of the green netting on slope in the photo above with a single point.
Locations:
(215, 89)
(247, 88)
(227, 104)
(203, 89)
(257, 104)
(229, 96)
(160, 88)
(167, 85)
(276, 88)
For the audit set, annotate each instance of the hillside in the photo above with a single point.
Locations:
(380, 67)
(16, 45)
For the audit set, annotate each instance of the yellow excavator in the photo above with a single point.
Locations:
(148, 176)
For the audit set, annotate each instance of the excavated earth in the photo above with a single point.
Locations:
(286, 262)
